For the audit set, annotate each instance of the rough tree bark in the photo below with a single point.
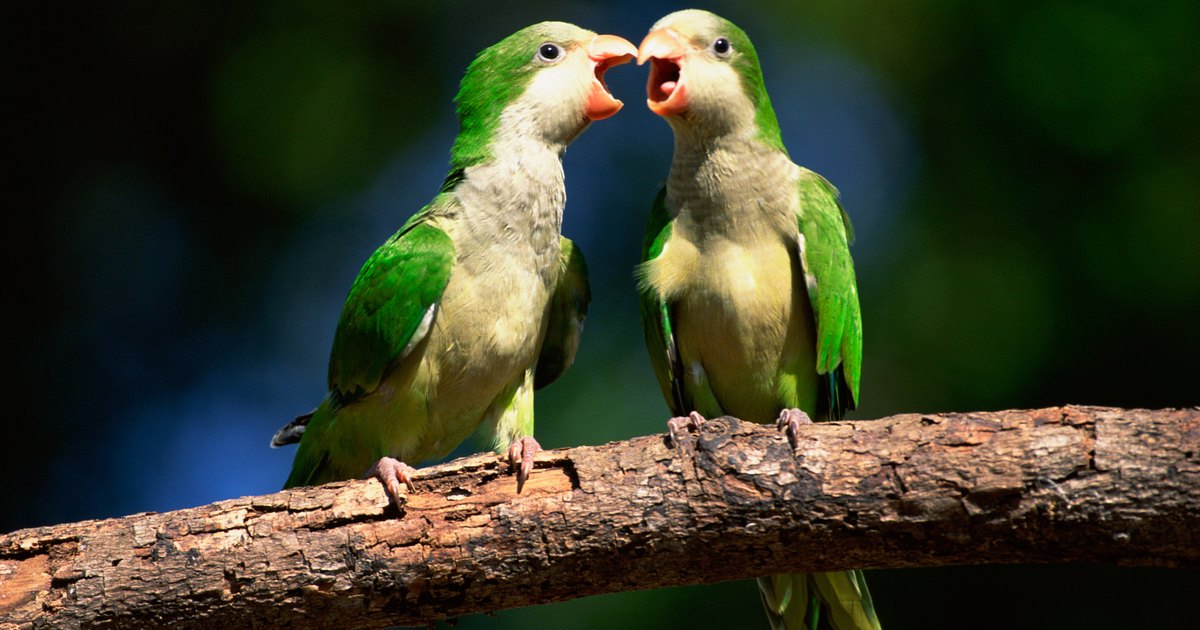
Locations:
(1048, 485)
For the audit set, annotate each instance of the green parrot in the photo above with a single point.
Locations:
(477, 300)
(747, 286)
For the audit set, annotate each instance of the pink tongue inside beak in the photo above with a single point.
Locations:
(666, 87)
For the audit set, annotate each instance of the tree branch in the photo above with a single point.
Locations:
(1047, 485)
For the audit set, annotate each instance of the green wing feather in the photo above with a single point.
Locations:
(568, 309)
(656, 314)
(393, 293)
(390, 299)
(826, 257)
(838, 600)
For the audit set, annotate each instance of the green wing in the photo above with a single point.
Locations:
(568, 308)
(832, 291)
(656, 314)
(391, 306)
(393, 298)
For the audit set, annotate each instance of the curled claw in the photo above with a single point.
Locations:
(690, 422)
(520, 458)
(392, 473)
(789, 422)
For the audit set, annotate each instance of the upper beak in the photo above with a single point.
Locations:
(666, 92)
(616, 50)
(606, 51)
(661, 44)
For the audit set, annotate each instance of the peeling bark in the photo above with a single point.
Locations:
(1048, 485)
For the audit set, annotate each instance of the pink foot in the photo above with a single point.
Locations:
(393, 472)
(690, 422)
(520, 458)
(790, 421)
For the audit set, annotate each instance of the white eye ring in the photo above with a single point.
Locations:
(550, 53)
(721, 47)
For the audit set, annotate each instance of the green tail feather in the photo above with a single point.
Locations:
(311, 464)
(818, 601)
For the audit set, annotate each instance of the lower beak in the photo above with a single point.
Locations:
(605, 51)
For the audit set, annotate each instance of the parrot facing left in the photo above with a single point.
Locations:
(747, 287)
(478, 299)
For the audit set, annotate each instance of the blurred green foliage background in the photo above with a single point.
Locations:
(198, 182)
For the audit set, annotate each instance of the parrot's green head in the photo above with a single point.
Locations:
(545, 82)
(705, 78)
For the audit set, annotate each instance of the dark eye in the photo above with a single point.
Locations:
(721, 46)
(549, 52)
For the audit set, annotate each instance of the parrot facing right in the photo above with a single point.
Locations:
(477, 300)
(747, 287)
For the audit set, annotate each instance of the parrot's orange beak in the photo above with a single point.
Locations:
(666, 93)
(606, 51)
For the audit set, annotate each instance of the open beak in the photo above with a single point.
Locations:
(606, 51)
(666, 93)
